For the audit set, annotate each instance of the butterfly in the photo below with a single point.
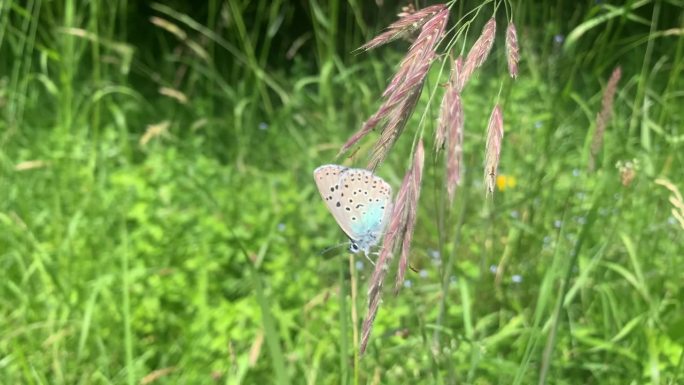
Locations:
(360, 202)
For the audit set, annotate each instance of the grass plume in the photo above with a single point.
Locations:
(604, 116)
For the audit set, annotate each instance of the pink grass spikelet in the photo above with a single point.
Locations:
(407, 24)
(455, 149)
(479, 52)
(399, 231)
(392, 236)
(394, 127)
(397, 221)
(402, 93)
(495, 132)
(604, 116)
(512, 50)
(450, 129)
(416, 176)
(446, 108)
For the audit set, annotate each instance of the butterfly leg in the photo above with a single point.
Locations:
(370, 260)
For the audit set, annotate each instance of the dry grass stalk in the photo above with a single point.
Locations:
(30, 165)
(399, 230)
(153, 131)
(169, 27)
(157, 374)
(495, 132)
(512, 50)
(675, 199)
(174, 94)
(403, 91)
(604, 116)
(408, 23)
(478, 53)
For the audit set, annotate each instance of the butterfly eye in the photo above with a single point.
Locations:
(354, 248)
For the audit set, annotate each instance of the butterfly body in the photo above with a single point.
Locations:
(359, 201)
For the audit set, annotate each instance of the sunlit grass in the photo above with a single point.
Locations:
(151, 238)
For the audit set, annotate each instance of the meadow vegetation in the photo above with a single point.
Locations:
(159, 223)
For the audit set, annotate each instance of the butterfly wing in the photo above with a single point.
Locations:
(327, 179)
(360, 201)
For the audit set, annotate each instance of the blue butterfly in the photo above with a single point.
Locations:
(360, 202)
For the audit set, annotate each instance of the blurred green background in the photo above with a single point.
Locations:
(159, 222)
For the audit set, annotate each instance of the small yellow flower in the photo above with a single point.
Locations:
(505, 181)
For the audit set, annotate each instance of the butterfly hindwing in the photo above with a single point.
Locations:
(359, 201)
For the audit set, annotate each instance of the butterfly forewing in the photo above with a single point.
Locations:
(328, 182)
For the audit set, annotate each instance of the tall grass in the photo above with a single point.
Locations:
(194, 256)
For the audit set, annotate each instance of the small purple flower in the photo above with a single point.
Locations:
(408, 284)
(492, 269)
(281, 227)
(359, 265)
(559, 39)
(516, 278)
(557, 223)
(423, 273)
(263, 126)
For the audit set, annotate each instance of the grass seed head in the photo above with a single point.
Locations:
(512, 50)
(604, 116)
(455, 144)
(409, 22)
(495, 132)
(479, 52)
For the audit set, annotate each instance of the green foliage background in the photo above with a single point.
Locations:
(195, 257)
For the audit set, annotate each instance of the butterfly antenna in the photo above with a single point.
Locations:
(333, 247)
